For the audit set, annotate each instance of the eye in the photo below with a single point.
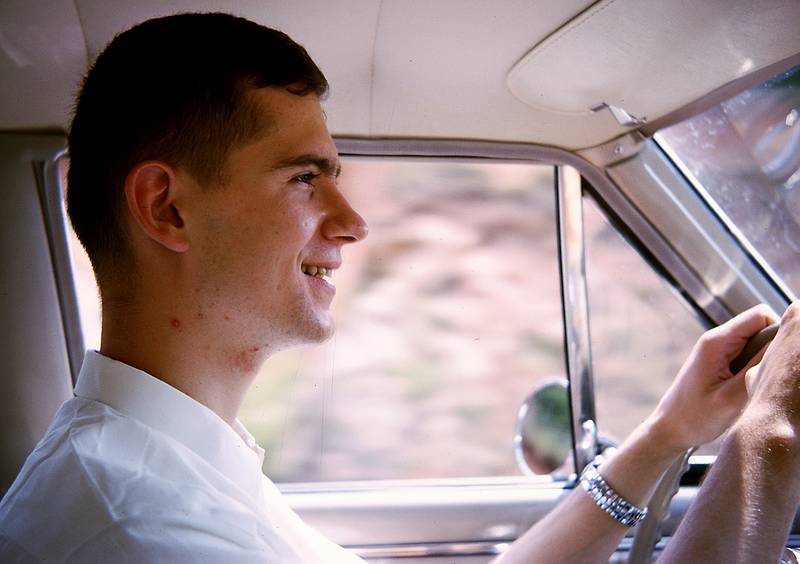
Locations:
(306, 178)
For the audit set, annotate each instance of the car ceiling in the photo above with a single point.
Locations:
(511, 70)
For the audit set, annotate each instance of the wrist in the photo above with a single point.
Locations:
(608, 499)
(662, 432)
(638, 463)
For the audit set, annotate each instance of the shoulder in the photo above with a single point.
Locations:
(88, 473)
(100, 484)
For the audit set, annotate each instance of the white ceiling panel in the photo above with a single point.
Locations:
(339, 36)
(42, 59)
(440, 70)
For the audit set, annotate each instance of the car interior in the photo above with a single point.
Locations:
(562, 196)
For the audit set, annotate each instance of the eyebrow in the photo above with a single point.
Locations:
(324, 164)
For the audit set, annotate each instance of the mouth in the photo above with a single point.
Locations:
(315, 271)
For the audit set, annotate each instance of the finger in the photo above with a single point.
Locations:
(731, 337)
(749, 322)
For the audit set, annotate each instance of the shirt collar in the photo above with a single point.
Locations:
(137, 394)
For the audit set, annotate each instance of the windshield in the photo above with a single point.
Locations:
(744, 157)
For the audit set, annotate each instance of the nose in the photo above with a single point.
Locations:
(343, 223)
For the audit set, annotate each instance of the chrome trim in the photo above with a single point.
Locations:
(356, 146)
(623, 117)
(409, 515)
(575, 300)
(614, 151)
(411, 485)
(430, 550)
(51, 198)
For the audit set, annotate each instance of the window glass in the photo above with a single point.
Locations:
(447, 315)
(744, 156)
(642, 331)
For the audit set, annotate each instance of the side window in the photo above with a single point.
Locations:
(447, 315)
(642, 330)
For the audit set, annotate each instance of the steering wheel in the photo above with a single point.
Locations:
(649, 532)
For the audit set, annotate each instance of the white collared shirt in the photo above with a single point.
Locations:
(133, 470)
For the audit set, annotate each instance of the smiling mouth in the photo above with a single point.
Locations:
(318, 272)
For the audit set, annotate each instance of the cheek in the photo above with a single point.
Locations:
(259, 243)
(293, 229)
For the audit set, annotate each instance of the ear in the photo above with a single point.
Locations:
(151, 191)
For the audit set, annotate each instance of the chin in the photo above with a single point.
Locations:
(318, 331)
(326, 332)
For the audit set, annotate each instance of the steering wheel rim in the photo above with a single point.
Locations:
(648, 532)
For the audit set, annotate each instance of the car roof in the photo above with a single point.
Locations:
(517, 71)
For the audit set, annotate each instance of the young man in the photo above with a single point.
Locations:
(203, 186)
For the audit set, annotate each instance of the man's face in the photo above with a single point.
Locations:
(265, 239)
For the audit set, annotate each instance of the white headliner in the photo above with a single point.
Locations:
(421, 68)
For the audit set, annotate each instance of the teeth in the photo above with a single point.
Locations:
(318, 271)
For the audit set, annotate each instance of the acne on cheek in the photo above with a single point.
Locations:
(176, 324)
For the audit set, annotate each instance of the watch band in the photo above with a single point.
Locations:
(604, 496)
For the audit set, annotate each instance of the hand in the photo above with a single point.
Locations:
(705, 398)
(774, 384)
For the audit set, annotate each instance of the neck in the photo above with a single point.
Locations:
(184, 347)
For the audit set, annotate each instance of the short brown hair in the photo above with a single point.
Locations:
(172, 89)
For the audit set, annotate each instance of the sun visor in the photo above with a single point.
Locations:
(648, 57)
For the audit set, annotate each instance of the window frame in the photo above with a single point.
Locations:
(50, 188)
